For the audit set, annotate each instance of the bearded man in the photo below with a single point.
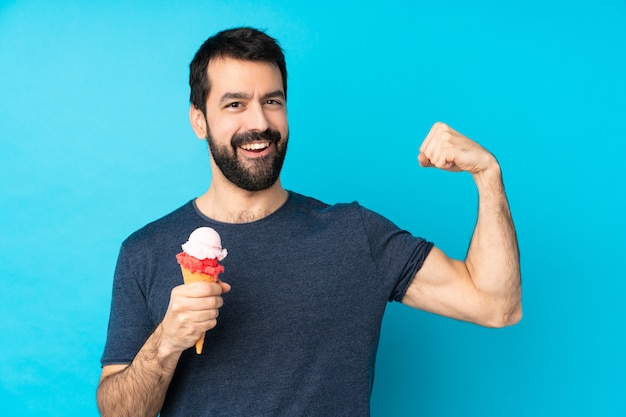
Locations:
(301, 301)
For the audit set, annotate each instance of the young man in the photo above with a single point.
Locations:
(298, 332)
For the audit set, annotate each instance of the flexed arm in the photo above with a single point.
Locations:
(485, 288)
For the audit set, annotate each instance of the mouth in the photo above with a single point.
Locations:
(257, 148)
(256, 144)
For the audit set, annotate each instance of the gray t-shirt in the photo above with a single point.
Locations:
(298, 332)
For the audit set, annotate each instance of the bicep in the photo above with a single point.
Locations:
(444, 286)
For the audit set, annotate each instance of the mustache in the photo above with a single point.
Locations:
(248, 137)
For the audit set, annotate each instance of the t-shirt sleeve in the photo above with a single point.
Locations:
(397, 254)
(129, 321)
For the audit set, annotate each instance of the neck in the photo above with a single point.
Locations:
(228, 203)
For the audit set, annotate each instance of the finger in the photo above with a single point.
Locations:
(181, 304)
(200, 289)
(204, 316)
(434, 152)
(432, 141)
(444, 158)
(205, 303)
(424, 161)
(428, 138)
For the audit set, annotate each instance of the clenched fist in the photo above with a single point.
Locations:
(447, 149)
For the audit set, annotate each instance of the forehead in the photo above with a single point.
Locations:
(228, 75)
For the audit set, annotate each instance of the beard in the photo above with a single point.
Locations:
(254, 174)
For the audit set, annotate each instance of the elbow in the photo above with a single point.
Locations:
(505, 310)
(505, 317)
(515, 316)
(507, 320)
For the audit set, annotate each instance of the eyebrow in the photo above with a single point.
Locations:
(239, 96)
(274, 94)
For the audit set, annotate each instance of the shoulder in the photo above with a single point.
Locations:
(302, 203)
(352, 218)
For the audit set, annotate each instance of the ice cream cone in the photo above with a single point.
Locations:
(199, 261)
(190, 277)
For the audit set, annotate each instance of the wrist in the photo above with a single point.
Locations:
(162, 352)
(490, 175)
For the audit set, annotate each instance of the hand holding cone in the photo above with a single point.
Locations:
(190, 277)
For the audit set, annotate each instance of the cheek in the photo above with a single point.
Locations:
(279, 122)
(223, 129)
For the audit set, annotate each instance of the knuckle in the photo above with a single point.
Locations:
(176, 308)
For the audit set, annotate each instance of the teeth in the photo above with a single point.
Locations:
(255, 146)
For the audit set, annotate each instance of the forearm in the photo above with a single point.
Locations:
(493, 256)
(139, 390)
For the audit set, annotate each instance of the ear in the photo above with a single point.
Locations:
(198, 122)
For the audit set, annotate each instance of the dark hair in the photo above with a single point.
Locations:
(243, 43)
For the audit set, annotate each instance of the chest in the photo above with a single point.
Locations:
(300, 280)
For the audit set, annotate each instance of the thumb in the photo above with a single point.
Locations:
(225, 286)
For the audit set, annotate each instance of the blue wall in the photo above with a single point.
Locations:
(95, 142)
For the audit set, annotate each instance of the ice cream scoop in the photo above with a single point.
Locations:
(203, 243)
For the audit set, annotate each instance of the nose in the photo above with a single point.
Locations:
(256, 120)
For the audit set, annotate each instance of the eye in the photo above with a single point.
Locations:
(273, 102)
(233, 105)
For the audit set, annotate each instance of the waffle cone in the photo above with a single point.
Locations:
(190, 277)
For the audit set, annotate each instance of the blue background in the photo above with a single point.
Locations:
(95, 142)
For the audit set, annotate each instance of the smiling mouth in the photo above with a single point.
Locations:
(256, 146)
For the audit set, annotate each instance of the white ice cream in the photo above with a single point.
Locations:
(205, 243)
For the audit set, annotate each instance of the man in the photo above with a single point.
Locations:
(298, 332)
